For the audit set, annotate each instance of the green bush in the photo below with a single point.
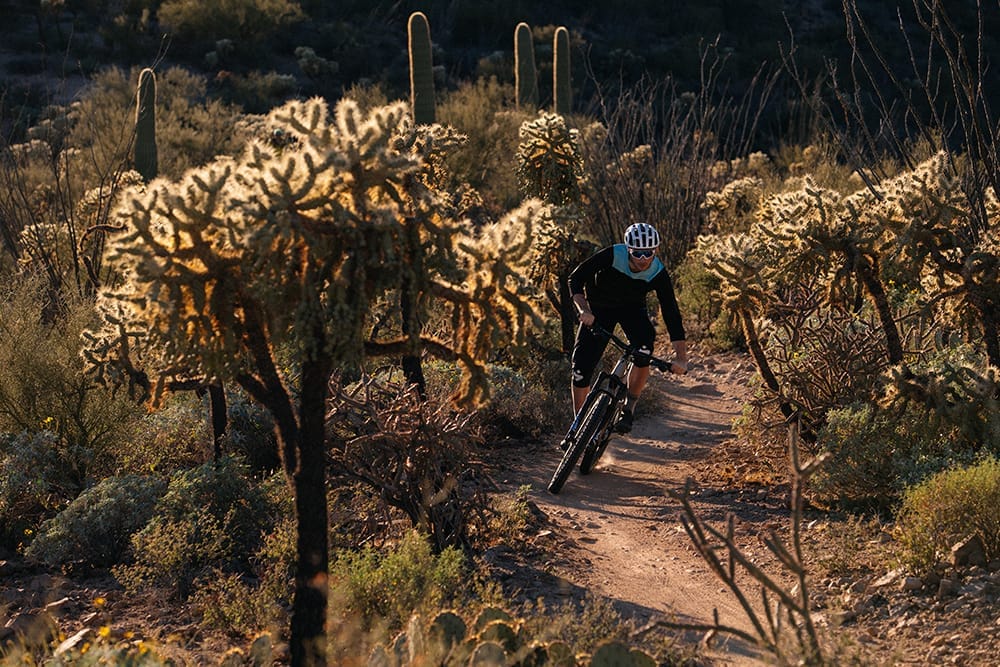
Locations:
(530, 402)
(38, 476)
(244, 605)
(947, 508)
(96, 527)
(42, 383)
(387, 588)
(250, 433)
(211, 517)
(257, 92)
(229, 602)
(483, 112)
(704, 317)
(876, 455)
(175, 437)
(247, 21)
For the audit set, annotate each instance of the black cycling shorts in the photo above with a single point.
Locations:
(589, 346)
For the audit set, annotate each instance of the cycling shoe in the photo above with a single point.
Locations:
(624, 423)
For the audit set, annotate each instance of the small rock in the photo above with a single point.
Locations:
(71, 643)
(912, 584)
(839, 618)
(946, 587)
(860, 586)
(887, 578)
(59, 608)
(969, 551)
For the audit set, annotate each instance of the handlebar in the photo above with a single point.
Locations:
(634, 352)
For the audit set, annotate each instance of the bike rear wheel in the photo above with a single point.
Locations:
(596, 412)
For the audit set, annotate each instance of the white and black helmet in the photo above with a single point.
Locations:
(641, 236)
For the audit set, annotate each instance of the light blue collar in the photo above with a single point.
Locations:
(621, 264)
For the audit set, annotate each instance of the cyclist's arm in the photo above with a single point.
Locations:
(672, 318)
(581, 276)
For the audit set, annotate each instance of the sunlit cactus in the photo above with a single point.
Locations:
(549, 164)
(145, 158)
(447, 629)
(487, 654)
(525, 74)
(502, 632)
(562, 88)
(617, 654)
(421, 69)
(287, 250)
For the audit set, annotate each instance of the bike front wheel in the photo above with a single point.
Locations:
(589, 429)
(599, 442)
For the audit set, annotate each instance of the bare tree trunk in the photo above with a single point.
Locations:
(217, 399)
(308, 627)
(894, 345)
(766, 373)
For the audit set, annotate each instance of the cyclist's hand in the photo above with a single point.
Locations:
(587, 318)
(678, 367)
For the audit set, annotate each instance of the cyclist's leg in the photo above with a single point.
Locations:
(587, 353)
(640, 331)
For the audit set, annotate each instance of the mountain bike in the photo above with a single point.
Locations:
(590, 431)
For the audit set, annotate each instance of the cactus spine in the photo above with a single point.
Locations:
(144, 157)
(525, 77)
(421, 69)
(561, 88)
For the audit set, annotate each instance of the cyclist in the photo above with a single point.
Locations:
(610, 288)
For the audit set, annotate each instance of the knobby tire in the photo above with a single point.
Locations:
(592, 454)
(592, 420)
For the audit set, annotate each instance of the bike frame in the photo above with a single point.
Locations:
(590, 431)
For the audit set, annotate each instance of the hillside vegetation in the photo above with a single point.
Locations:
(268, 311)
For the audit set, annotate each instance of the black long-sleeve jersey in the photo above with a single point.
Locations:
(607, 281)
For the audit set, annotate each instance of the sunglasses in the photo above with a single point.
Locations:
(642, 254)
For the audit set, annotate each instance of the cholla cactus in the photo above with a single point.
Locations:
(329, 210)
(288, 248)
(549, 164)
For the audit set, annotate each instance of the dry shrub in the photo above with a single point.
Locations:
(949, 507)
(413, 454)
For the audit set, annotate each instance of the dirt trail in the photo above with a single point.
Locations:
(618, 533)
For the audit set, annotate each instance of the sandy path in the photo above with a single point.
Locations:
(618, 530)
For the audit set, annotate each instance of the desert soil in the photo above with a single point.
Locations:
(617, 533)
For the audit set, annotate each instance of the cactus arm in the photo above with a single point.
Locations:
(421, 69)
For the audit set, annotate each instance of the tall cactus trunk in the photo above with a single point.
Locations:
(562, 91)
(145, 158)
(146, 161)
(421, 69)
(525, 76)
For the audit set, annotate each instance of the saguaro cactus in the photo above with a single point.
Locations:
(525, 77)
(144, 157)
(421, 69)
(561, 85)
